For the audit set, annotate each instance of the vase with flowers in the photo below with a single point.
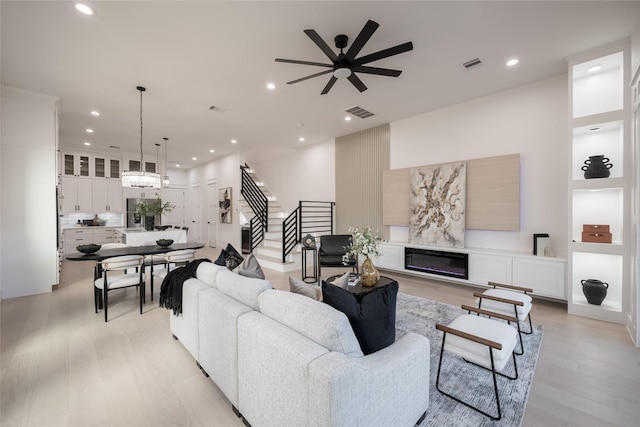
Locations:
(364, 242)
(149, 209)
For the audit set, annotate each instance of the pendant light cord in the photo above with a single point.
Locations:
(141, 89)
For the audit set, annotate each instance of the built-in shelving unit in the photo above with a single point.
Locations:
(599, 124)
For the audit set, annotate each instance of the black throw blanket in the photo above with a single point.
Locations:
(171, 289)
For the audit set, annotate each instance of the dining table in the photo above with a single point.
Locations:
(103, 254)
(128, 250)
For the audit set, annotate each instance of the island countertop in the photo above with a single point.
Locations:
(139, 237)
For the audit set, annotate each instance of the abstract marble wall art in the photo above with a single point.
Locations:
(437, 205)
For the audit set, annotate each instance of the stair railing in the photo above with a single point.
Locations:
(256, 199)
(256, 232)
(310, 217)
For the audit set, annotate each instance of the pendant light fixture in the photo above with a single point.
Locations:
(165, 179)
(141, 179)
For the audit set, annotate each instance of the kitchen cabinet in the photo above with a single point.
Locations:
(104, 167)
(141, 193)
(599, 104)
(106, 195)
(75, 164)
(75, 194)
(72, 237)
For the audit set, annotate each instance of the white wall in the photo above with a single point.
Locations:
(29, 257)
(299, 174)
(226, 173)
(530, 120)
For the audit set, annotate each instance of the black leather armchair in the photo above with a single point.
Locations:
(332, 248)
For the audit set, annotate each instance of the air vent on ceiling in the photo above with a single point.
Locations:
(359, 112)
(473, 63)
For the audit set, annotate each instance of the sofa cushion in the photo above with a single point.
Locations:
(243, 289)
(311, 290)
(229, 257)
(251, 268)
(372, 314)
(207, 272)
(342, 281)
(316, 321)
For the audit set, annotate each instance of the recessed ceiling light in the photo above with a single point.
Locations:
(89, 130)
(177, 165)
(87, 143)
(233, 141)
(594, 68)
(95, 113)
(301, 139)
(84, 9)
(271, 86)
(194, 158)
(212, 151)
(347, 118)
(512, 62)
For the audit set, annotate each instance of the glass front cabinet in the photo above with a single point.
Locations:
(599, 183)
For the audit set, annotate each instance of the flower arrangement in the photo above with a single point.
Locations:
(364, 242)
(154, 207)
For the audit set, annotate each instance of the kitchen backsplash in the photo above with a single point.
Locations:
(112, 219)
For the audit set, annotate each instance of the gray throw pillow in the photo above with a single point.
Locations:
(342, 281)
(251, 268)
(311, 290)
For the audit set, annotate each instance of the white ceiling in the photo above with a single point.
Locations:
(192, 55)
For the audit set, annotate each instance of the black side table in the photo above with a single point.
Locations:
(314, 265)
(361, 289)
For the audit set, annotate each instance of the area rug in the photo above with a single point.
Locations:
(468, 382)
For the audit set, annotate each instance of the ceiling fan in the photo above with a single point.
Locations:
(346, 64)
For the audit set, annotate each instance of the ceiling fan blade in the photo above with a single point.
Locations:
(329, 85)
(295, 61)
(309, 77)
(401, 48)
(375, 70)
(367, 31)
(357, 82)
(322, 44)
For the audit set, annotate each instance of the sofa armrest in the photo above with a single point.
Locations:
(388, 387)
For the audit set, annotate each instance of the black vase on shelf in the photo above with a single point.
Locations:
(597, 167)
(594, 290)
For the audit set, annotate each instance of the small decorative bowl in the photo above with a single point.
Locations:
(164, 242)
(88, 249)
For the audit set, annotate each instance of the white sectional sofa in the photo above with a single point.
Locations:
(283, 359)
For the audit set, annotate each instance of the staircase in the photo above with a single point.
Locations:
(269, 251)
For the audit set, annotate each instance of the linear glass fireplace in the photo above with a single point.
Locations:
(453, 264)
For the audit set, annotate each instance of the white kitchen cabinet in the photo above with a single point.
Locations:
(105, 167)
(75, 164)
(75, 194)
(106, 195)
(76, 236)
(141, 193)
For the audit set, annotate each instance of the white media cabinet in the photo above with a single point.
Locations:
(545, 275)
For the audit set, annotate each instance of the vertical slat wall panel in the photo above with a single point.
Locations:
(360, 160)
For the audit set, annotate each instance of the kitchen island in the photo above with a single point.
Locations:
(141, 237)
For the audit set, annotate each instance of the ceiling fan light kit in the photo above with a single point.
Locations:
(345, 65)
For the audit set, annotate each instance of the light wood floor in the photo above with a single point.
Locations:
(61, 365)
